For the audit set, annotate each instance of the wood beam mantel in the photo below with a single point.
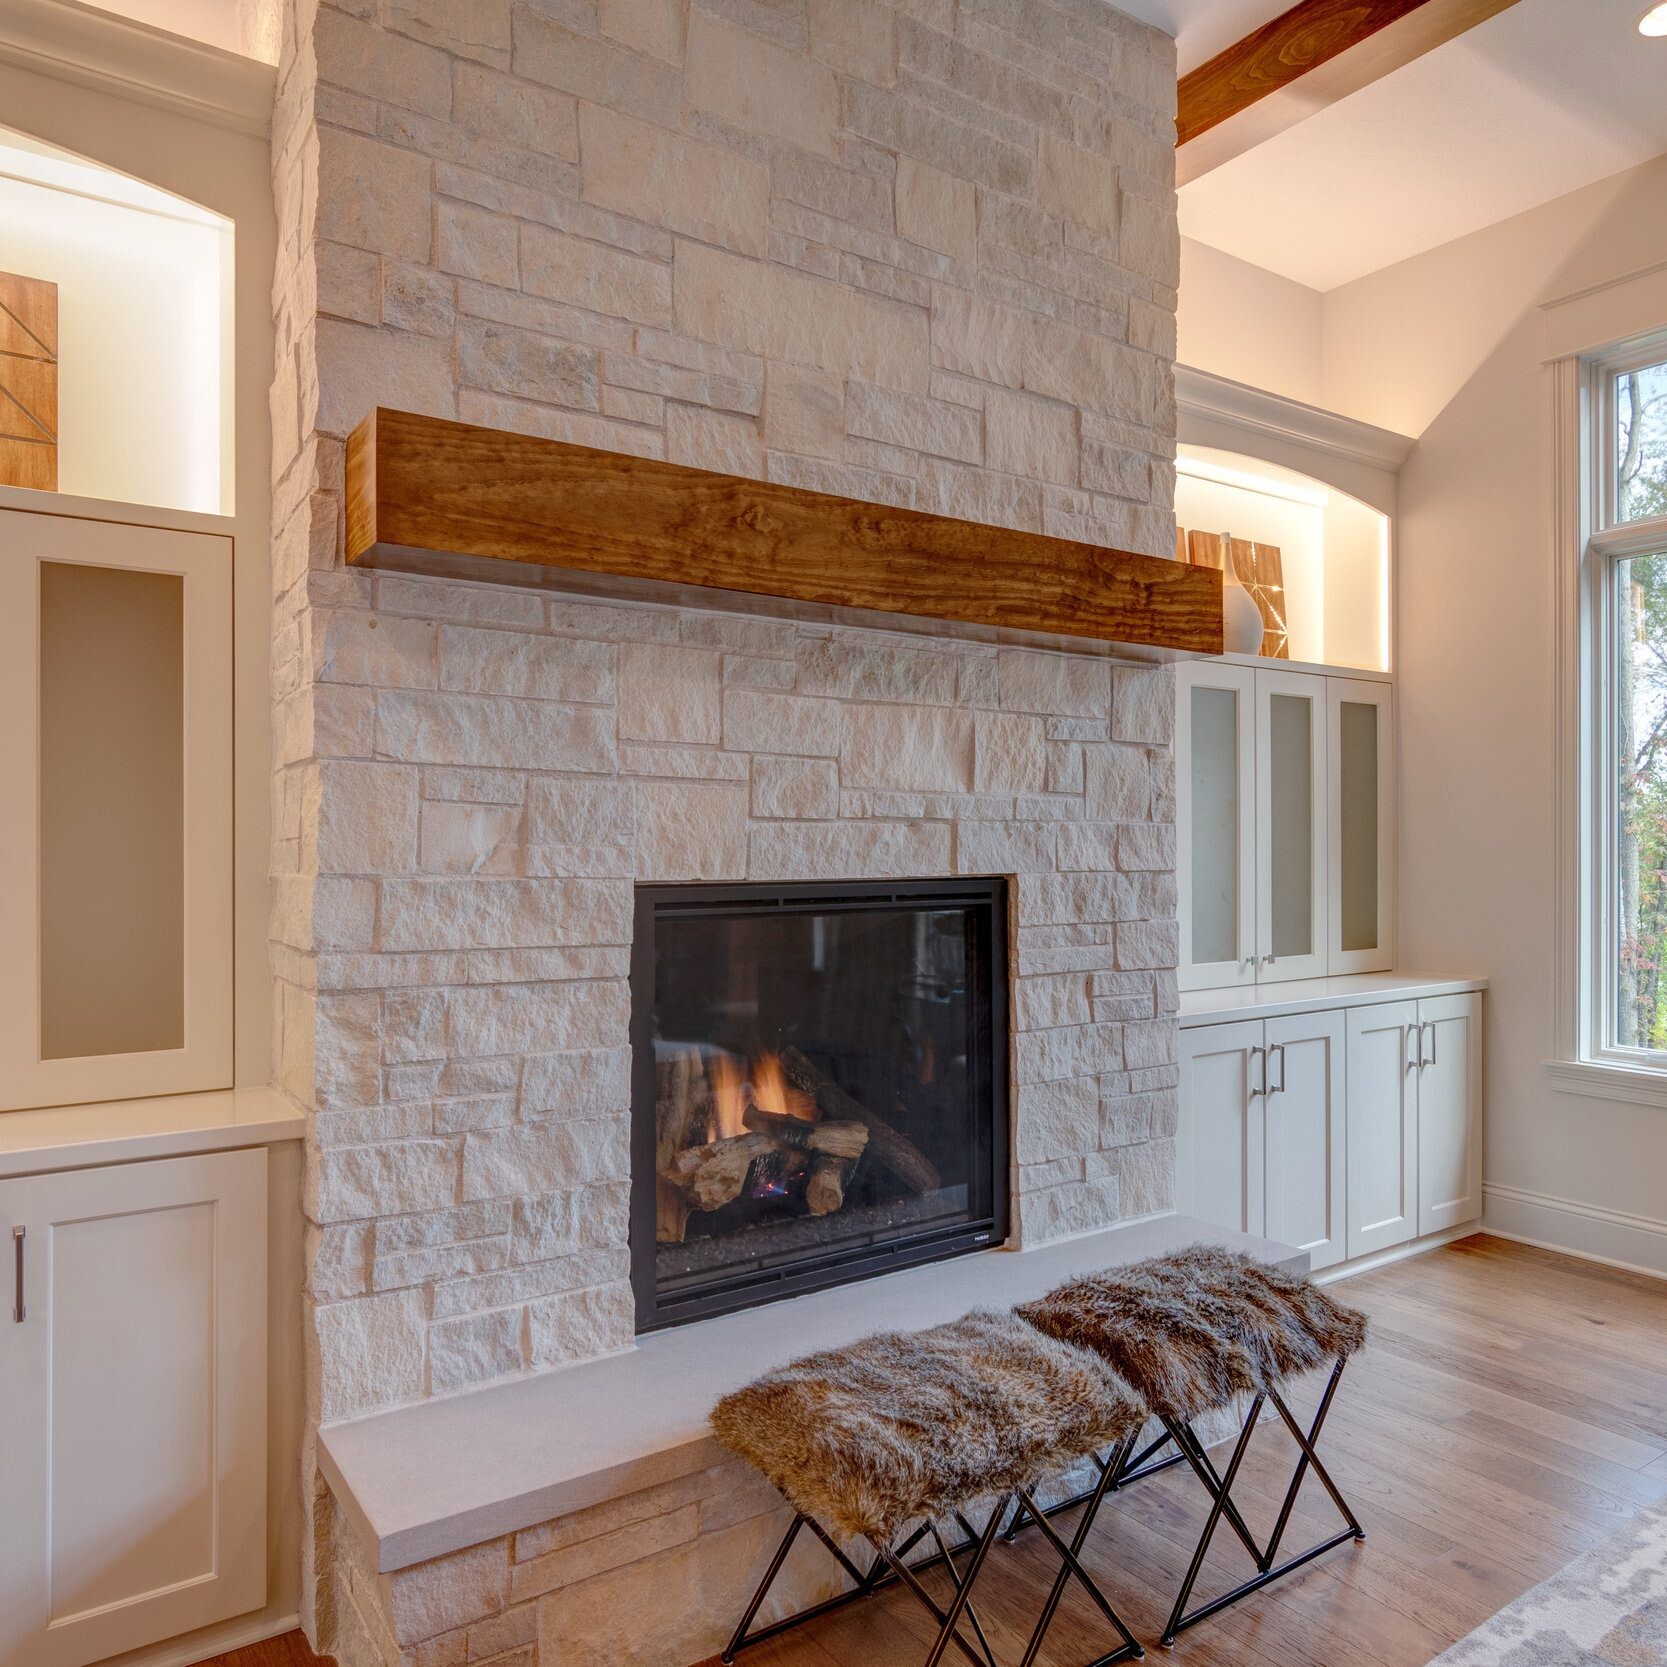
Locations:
(1316, 53)
(430, 495)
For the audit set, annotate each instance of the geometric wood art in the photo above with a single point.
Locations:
(1260, 569)
(1262, 573)
(28, 382)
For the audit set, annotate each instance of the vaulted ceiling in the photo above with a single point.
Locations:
(1546, 97)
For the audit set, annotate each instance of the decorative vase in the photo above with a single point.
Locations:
(1241, 618)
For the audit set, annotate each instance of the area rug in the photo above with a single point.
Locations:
(1606, 1609)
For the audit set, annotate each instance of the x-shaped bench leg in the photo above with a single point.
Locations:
(1220, 1490)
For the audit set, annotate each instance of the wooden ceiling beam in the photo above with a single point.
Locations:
(428, 495)
(1309, 57)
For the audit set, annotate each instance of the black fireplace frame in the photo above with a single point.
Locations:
(986, 896)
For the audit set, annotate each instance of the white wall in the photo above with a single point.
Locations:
(1244, 322)
(1448, 346)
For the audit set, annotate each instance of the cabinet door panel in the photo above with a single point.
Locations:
(1220, 1145)
(1215, 788)
(1361, 865)
(115, 830)
(1291, 891)
(1449, 1111)
(1382, 1078)
(132, 1457)
(1305, 1145)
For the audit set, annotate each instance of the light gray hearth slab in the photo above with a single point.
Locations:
(429, 1479)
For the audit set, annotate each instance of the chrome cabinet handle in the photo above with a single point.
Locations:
(1260, 1053)
(19, 1312)
(1278, 1048)
(1429, 1025)
(1414, 1046)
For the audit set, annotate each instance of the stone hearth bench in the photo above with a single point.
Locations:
(530, 1511)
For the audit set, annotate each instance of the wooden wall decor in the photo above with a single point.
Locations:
(28, 382)
(422, 492)
(1260, 569)
(1317, 52)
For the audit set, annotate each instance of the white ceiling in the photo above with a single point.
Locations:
(1548, 96)
(1202, 28)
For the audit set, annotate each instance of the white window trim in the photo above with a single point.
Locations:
(1586, 543)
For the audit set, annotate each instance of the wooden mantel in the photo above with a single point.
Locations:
(429, 495)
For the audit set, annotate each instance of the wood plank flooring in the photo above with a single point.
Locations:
(1510, 1410)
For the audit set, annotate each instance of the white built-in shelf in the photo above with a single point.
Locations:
(122, 1131)
(1315, 995)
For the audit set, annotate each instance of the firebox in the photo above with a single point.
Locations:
(819, 1089)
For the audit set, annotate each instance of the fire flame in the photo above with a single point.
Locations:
(762, 1083)
(729, 1102)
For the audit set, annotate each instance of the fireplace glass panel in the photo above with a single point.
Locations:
(819, 1087)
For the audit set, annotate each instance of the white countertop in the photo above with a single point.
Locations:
(1315, 995)
(121, 1131)
(425, 1480)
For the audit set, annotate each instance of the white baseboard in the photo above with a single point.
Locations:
(209, 1642)
(1382, 1258)
(1618, 1240)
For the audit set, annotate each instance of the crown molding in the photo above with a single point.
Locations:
(131, 60)
(1200, 393)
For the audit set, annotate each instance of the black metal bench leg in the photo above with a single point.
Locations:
(1217, 1505)
(1130, 1649)
(1108, 1474)
(1192, 1449)
(948, 1620)
(955, 1579)
(739, 1638)
(1268, 1570)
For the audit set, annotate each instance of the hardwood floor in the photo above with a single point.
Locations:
(288, 1651)
(1510, 1410)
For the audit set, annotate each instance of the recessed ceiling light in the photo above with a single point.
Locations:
(1654, 21)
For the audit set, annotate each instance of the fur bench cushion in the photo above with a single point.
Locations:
(1194, 1330)
(913, 1424)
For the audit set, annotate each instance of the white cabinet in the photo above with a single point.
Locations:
(1285, 825)
(1260, 1144)
(1221, 1143)
(1360, 856)
(1449, 1125)
(1343, 1130)
(116, 822)
(133, 1378)
(1383, 1126)
(1305, 1142)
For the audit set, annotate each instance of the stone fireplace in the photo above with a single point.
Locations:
(914, 253)
(819, 1086)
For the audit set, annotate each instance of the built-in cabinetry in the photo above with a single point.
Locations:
(133, 1376)
(116, 891)
(1285, 824)
(1333, 1116)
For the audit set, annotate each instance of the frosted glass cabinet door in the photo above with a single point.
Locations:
(1290, 825)
(1361, 749)
(133, 1448)
(1215, 803)
(115, 827)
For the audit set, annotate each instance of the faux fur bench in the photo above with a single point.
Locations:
(1194, 1333)
(919, 1428)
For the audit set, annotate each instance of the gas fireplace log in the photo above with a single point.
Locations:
(711, 1176)
(825, 1190)
(897, 1152)
(683, 1105)
(671, 1212)
(839, 1137)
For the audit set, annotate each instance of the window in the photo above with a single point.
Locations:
(1625, 1022)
